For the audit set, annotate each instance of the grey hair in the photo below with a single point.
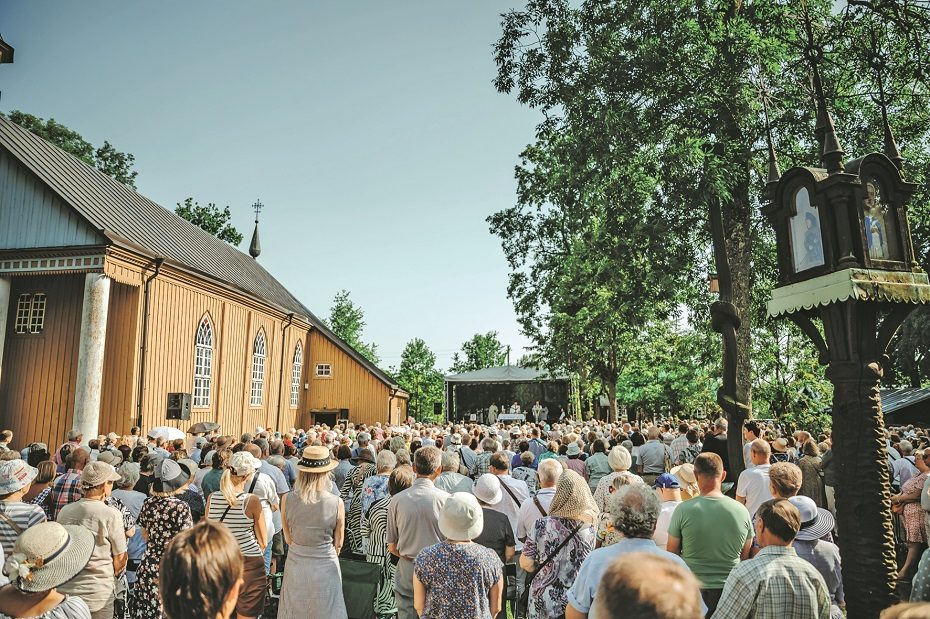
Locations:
(489, 444)
(386, 460)
(403, 457)
(450, 461)
(905, 447)
(634, 510)
(549, 471)
(128, 474)
(277, 462)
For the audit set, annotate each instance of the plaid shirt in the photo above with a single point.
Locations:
(66, 489)
(678, 445)
(776, 584)
(482, 464)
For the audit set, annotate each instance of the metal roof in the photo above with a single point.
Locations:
(896, 399)
(503, 374)
(129, 219)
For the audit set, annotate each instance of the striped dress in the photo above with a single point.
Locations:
(239, 524)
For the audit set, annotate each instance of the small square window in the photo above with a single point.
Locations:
(324, 370)
(30, 314)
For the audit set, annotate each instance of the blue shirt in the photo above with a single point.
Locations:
(581, 595)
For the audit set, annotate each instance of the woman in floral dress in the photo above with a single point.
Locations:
(571, 516)
(912, 515)
(163, 516)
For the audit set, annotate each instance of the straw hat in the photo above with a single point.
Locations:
(780, 445)
(461, 518)
(98, 473)
(684, 473)
(573, 498)
(317, 460)
(487, 489)
(47, 555)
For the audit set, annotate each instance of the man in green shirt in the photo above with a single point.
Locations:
(712, 532)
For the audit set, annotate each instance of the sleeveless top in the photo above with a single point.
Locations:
(236, 520)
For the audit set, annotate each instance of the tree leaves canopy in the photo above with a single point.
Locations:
(105, 158)
(211, 218)
(347, 320)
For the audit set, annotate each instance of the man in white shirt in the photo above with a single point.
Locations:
(669, 489)
(532, 510)
(515, 492)
(753, 487)
(751, 431)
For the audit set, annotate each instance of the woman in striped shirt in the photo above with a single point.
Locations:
(241, 512)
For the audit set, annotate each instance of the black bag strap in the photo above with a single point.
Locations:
(254, 481)
(229, 505)
(512, 495)
(539, 506)
(554, 554)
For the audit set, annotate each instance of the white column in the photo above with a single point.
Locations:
(90, 354)
(4, 314)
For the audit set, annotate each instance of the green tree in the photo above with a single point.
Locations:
(347, 320)
(211, 218)
(482, 350)
(420, 377)
(105, 158)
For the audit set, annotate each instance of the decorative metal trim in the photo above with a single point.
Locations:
(70, 264)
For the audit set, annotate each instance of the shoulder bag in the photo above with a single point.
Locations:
(525, 597)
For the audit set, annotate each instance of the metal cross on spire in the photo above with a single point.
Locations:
(257, 207)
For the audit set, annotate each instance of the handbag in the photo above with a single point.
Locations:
(525, 597)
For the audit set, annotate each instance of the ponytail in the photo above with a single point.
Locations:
(227, 488)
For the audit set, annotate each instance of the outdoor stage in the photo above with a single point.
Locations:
(472, 393)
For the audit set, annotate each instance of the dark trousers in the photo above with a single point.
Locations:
(711, 598)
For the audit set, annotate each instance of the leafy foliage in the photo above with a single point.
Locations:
(420, 377)
(482, 350)
(651, 112)
(105, 158)
(347, 320)
(211, 218)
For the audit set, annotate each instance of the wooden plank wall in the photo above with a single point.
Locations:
(33, 216)
(121, 360)
(352, 386)
(39, 371)
(175, 313)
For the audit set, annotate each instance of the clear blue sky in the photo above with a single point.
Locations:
(370, 130)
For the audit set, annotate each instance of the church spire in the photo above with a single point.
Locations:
(255, 247)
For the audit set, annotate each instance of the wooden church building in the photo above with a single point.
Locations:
(109, 302)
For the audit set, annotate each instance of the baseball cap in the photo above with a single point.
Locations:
(667, 480)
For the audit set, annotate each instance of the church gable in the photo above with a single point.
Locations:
(32, 216)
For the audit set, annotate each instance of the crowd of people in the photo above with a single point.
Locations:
(539, 521)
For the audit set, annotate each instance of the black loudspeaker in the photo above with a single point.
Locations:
(437, 409)
(343, 414)
(179, 406)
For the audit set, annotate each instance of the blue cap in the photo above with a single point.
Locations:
(667, 480)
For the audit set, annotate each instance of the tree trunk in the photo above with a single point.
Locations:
(737, 228)
(863, 503)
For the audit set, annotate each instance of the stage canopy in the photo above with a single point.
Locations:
(472, 393)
